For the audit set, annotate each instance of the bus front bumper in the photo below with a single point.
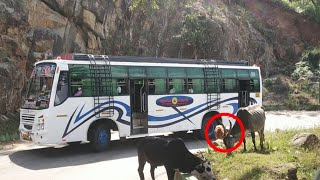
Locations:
(36, 137)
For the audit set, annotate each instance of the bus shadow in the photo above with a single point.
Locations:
(48, 158)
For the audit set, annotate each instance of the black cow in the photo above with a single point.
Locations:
(174, 155)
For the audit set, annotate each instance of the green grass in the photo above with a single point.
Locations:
(264, 164)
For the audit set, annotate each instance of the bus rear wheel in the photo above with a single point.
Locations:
(211, 129)
(100, 137)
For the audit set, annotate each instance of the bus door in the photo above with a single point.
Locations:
(139, 105)
(243, 93)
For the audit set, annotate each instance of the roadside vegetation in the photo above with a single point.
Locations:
(310, 8)
(9, 125)
(272, 163)
(298, 87)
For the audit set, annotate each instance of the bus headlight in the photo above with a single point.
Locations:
(42, 126)
(38, 126)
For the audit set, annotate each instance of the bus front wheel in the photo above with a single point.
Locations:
(100, 137)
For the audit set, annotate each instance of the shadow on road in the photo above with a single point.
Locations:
(47, 158)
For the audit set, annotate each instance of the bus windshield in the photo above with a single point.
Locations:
(40, 87)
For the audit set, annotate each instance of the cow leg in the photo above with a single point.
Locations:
(152, 171)
(170, 172)
(142, 162)
(244, 144)
(261, 135)
(254, 140)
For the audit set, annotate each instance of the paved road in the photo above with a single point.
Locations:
(77, 162)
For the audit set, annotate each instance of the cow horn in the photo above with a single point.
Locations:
(224, 130)
(230, 127)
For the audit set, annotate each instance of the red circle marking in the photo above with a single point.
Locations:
(213, 118)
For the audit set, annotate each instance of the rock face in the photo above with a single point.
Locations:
(35, 29)
(306, 140)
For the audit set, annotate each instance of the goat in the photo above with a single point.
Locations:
(173, 155)
(219, 131)
(253, 118)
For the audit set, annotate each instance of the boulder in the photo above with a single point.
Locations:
(306, 140)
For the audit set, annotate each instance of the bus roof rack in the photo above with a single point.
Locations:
(85, 57)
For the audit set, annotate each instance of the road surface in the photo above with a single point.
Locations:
(77, 162)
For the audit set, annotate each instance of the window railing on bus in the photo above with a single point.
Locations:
(229, 86)
(254, 85)
(62, 88)
(80, 81)
(157, 86)
(195, 86)
(176, 86)
(122, 87)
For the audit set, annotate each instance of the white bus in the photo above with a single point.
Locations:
(83, 98)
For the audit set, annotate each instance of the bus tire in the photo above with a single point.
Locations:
(100, 137)
(211, 128)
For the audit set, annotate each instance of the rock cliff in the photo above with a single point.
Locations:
(259, 31)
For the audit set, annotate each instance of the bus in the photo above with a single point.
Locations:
(86, 98)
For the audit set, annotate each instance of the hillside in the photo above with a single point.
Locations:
(261, 31)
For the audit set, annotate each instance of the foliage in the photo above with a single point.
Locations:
(310, 8)
(11, 125)
(197, 31)
(308, 68)
(264, 164)
(144, 5)
(302, 70)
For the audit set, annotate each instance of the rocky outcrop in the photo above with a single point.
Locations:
(34, 29)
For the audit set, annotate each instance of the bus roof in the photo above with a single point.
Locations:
(86, 57)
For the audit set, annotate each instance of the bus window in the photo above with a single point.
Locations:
(122, 87)
(157, 72)
(137, 72)
(190, 86)
(254, 73)
(119, 71)
(176, 86)
(80, 82)
(255, 85)
(159, 86)
(76, 87)
(62, 88)
(195, 72)
(229, 85)
(242, 73)
(228, 73)
(151, 86)
(197, 85)
(177, 72)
